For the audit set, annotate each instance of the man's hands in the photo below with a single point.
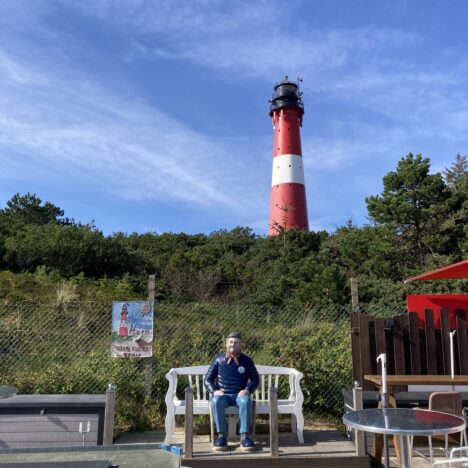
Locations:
(218, 393)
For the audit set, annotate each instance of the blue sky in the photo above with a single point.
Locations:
(153, 115)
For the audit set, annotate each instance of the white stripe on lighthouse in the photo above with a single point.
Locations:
(288, 169)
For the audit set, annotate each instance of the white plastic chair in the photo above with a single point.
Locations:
(445, 402)
(461, 462)
(452, 461)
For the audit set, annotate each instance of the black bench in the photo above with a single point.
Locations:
(51, 420)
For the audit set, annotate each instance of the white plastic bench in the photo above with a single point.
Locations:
(269, 375)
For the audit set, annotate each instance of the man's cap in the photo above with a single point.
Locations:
(235, 335)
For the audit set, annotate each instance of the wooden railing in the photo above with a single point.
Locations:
(409, 348)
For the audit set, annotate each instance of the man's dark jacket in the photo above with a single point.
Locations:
(231, 378)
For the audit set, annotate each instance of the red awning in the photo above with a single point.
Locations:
(456, 271)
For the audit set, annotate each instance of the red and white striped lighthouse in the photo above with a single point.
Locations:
(123, 328)
(288, 207)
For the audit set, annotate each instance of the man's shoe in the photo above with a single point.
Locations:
(247, 445)
(220, 443)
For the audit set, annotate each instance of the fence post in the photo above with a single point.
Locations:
(354, 294)
(149, 360)
(108, 436)
(359, 436)
(188, 423)
(274, 446)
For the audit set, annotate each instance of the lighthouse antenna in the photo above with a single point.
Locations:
(299, 81)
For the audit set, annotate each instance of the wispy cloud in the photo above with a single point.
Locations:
(134, 150)
(371, 67)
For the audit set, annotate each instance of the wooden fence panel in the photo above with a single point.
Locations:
(355, 347)
(431, 353)
(445, 332)
(462, 341)
(409, 348)
(380, 342)
(399, 346)
(364, 345)
(415, 348)
(406, 341)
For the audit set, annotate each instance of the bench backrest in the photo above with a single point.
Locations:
(269, 375)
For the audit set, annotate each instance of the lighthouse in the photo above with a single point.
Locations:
(288, 206)
(123, 328)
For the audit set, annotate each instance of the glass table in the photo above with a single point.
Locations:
(404, 422)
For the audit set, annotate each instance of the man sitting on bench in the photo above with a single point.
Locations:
(231, 378)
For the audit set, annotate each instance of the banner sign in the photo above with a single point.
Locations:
(132, 329)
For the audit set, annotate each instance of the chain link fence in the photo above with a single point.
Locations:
(65, 348)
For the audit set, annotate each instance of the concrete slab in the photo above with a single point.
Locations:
(147, 437)
(141, 456)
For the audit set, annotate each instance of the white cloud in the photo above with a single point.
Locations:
(371, 67)
(258, 39)
(134, 151)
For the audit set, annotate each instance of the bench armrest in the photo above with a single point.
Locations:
(171, 376)
(295, 378)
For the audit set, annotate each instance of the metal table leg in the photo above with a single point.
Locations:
(405, 453)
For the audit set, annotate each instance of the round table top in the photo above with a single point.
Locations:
(6, 391)
(404, 421)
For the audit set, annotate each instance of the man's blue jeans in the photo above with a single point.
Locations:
(220, 403)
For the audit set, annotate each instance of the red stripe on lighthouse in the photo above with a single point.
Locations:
(287, 133)
(288, 206)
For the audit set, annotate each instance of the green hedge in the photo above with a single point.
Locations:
(67, 350)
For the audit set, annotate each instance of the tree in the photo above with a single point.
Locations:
(69, 250)
(457, 173)
(351, 245)
(30, 210)
(455, 226)
(413, 205)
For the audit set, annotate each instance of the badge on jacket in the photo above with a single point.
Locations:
(241, 370)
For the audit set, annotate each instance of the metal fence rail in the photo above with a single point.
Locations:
(65, 348)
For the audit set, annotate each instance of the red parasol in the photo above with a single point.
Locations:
(456, 271)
